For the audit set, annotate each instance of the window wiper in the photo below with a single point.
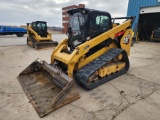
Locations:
(99, 25)
(79, 24)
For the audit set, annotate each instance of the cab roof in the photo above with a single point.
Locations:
(39, 22)
(86, 10)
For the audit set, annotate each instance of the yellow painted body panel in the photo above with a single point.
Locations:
(37, 37)
(107, 70)
(127, 36)
(95, 55)
(77, 60)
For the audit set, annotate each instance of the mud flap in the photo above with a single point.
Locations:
(41, 45)
(46, 87)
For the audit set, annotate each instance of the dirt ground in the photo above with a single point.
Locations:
(133, 96)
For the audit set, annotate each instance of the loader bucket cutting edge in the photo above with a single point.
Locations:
(47, 88)
(46, 44)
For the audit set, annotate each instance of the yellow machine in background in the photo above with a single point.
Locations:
(38, 37)
(156, 34)
(94, 52)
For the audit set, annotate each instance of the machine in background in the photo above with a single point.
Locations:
(156, 34)
(38, 37)
(94, 52)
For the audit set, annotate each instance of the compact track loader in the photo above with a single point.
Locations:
(96, 51)
(38, 37)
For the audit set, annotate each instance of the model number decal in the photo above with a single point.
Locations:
(86, 47)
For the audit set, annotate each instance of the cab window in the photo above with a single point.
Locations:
(102, 22)
(77, 21)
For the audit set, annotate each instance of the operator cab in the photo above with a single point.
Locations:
(86, 24)
(40, 27)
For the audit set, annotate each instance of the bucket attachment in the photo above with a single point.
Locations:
(46, 87)
(41, 45)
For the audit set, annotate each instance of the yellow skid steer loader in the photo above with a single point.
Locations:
(94, 52)
(38, 37)
(156, 34)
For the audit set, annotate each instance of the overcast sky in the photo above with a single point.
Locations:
(19, 12)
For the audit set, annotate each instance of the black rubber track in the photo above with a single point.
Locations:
(85, 72)
(37, 45)
(33, 41)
